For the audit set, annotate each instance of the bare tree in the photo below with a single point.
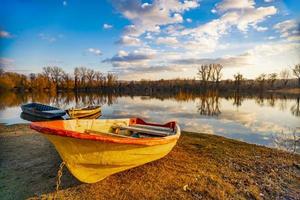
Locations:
(238, 78)
(217, 74)
(272, 78)
(205, 73)
(66, 80)
(296, 71)
(76, 77)
(284, 75)
(202, 73)
(261, 80)
(90, 74)
(47, 74)
(56, 75)
(111, 79)
(82, 72)
(32, 78)
(99, 78)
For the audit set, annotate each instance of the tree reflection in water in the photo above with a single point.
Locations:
(288, 141)
(237, 101)
(61, 100)
(209, 104)
(295, 109)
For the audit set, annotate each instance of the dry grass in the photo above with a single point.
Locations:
(199, 167)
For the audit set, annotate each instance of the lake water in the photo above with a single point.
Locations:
(272, 121)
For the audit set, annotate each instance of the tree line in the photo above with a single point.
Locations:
(53, 78)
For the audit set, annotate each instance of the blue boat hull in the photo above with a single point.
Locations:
(42, 111)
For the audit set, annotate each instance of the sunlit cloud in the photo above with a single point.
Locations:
(129, 41)
(5, 34)
(226, 5)
(288, 29)
(150, 16)
(230, 61)
(167, 41)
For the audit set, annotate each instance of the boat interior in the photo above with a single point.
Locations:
(40, 107)
(133, 128)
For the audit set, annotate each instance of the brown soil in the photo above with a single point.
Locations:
(201, 166)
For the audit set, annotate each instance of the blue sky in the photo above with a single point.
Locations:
(150, 39)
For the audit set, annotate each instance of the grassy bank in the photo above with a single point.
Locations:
(201, 166)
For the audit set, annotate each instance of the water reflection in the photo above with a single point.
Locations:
(209, 104)
(295, 109)
(259, 119)
(61, 100)
(288, 141)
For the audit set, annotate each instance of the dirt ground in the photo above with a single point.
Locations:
(201, 166)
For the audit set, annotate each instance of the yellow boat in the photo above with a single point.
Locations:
(95, 149)
(84, 112)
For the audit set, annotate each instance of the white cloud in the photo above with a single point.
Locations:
(260, 28)
(226, 61)
(149, 17)
(5, 34)
(213, 10)
(274, 48)
(137, 58)
(254, 16)
(129, 41)
(107, 26)
(205, 38)
(226, 5)
(271, 38)
(94, 51)
(268, 1)
(288, 28)
(167, 41)
(160, 23)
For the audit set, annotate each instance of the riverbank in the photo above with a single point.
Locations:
(200, 166)
(288, 91)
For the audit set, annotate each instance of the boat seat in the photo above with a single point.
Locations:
(94, 132)
(152, 127)
(150, 130)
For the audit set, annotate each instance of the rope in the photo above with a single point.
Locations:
(58, 181)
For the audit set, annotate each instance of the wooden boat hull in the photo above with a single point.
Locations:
(91, 159)
(42, 111)
(84, 113)
(33, 118)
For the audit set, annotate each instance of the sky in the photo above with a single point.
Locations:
(159, 39)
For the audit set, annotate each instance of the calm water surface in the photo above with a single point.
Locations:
(270, 121)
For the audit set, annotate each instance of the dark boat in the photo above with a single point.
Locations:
(32, 118)
(42, 111)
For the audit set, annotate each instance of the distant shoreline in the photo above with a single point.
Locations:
(287, 91)
(201, 165)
